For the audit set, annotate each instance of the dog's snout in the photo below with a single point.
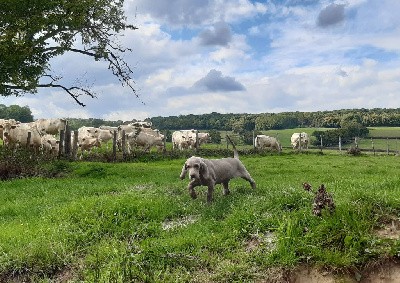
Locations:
(192, 176)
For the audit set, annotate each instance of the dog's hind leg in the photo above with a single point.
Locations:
(226, 188)
(248, 178)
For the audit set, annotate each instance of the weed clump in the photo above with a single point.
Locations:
(23, 164)
(354, 151)
(322, 200)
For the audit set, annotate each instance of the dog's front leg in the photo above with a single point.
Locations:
(210, 193)
(192, 192)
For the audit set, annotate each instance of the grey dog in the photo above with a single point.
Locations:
(209, 172)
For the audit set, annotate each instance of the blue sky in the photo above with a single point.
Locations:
(240, 56)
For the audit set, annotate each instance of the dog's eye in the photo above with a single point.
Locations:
(196, 166)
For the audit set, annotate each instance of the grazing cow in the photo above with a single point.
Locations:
(128, 129)
(50, 144)
(104, 136)
(146, 140)
(87, 143)
(203, 138)
(50, 126)
(299, 140)
(263, 141)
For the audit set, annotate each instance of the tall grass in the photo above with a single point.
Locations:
(135, 222)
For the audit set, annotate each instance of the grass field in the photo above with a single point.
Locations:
(135, 222)
(366, 143)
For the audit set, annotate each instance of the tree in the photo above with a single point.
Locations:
(33, 32)
(215, 136)
(22, 114)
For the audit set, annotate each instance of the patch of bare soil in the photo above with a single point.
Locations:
(266, 240)
(387, 272)
(307, 274)
(390, 229)
(179, 223)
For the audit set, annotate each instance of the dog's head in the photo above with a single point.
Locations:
(194, 167)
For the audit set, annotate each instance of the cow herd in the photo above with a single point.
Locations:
(38, 135)
(43, 135)
(297, 140)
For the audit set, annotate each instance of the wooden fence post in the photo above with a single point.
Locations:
(28, 140)
(165, 141)
(74, 152)
(387, 146)
(373, 146)
(299, 149)
(67, 141)
(340, 143)
(321, 143)
(61, 144)
(254, 142)
(123, 142)
(196, 145)
(114, 146)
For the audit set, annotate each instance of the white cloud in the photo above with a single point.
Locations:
(283, 60)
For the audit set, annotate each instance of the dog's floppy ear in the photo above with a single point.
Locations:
(204, 169)
(184, 171)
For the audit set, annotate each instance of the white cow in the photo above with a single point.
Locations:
(50, 144)
(3, 122)
(141, 124)
(110, 128)
(104, 136)
(50, 126)
(84, 132)
(87, 143)
(263, 141)
(203, 138)
(146, 140)
(17, 135)
(183, 139)
(128, 129)
(133, 130)
(300, 140)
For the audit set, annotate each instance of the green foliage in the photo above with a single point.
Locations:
(34, 32)
(347, 133)
(18, 113)
(278, 121)
(215, 136)
(24, 164)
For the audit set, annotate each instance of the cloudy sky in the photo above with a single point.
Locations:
(241, 56)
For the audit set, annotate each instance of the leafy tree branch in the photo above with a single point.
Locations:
(34, 32)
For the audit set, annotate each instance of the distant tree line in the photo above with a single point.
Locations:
(239, 123)
(377, 117)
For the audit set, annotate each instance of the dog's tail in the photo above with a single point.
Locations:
(235, 152)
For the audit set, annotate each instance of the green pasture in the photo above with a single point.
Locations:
(135, 222)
